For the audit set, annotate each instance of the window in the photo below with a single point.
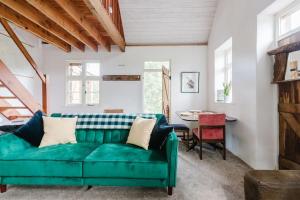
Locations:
(83, 83)
(223, 72)
(153, 90)
(288, 21)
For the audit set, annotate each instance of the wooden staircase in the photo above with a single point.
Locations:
(15, 101)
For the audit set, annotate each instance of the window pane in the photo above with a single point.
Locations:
(289, 22)
(74, 92)
(92, 69)
(92, 92)
(223, 72)
(295, 20)
(229, 56)
(74, 69)
(153, 92)
(284, 24)
(156, 65)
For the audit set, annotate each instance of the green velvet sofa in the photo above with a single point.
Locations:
(100, 158)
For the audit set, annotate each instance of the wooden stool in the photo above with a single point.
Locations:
(182, 128)
(272, 184)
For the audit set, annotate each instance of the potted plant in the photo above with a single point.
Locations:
(227, 88)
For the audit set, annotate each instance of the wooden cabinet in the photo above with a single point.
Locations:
(289, 125)
(288, 108)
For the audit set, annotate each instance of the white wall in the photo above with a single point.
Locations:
(128, 95)
(254, 137)
(16, 62)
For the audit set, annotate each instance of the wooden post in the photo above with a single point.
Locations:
(44, 93)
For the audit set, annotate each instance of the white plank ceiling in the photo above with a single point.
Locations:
(154, 22)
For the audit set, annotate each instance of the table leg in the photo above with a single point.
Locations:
(188, 140)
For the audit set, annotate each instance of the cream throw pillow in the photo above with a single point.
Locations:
(58, 131)
(140, 132)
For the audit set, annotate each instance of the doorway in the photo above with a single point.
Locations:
(156, 88)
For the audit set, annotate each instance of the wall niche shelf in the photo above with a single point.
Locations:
(121, 78)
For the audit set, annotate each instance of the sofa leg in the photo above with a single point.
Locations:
(89, 187)
(170, 191)
(3, 188)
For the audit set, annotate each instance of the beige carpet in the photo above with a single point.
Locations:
(209, 179)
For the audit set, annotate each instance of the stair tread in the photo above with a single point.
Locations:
(8, 97)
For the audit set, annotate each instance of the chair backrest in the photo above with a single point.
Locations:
(214, 119)
(113, 111)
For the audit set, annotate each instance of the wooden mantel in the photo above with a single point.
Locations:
(281, 61)
(286, 49)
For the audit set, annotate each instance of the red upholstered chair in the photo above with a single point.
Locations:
(212, 130)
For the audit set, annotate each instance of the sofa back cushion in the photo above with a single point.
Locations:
(102, 136)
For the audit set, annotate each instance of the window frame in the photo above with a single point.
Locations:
(83, 78)
(227, 65)
(294, 7)
(154, 70)
(223, 51)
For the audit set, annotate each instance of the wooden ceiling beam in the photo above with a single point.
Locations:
(24, 51)
(105, 20)
(55, 15)
(19, 20)
(70, 8)
(25, 9)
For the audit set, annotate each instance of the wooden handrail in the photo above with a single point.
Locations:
(21, 47)
(113, 9)
(101, 10)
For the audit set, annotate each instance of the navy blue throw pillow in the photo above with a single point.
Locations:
(159, 134)
(33, 130)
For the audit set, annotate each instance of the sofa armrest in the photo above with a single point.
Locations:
(172, 151)
(10, 143)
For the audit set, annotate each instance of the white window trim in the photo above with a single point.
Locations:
(224, 49)
(290, 9)
(82, 78)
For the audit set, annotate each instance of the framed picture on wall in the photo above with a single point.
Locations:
(190, 82)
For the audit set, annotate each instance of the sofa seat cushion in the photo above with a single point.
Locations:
(57, 160)
(125, 161)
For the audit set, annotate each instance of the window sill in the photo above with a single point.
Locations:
(82, 105)
(225, 103)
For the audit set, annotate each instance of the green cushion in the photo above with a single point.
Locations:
(58, 160)
(101, 136)
(11, 143)
(125, 161)
(116, 136)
